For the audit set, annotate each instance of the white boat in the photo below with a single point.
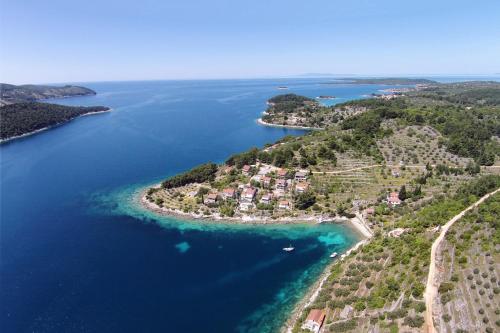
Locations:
(282, 88)
(288, 249)
(333, 255)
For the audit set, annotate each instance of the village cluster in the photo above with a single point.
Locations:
(267, 185)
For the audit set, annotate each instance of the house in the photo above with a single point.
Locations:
(246, 206)
(279, 193)
(266, 198)
(266, 181)
(395, 173)
(229, 193)
(368, 212)
(211, 198)
(256, 178)
(246, 170)
(284, 204)
(301, 176)
(301, 187)
(264, 170)
(282, 173)
(248, 194)
(228, 169)
(393, 199)
(281, 184)
(314, 320)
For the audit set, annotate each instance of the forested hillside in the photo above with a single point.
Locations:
(21, 118)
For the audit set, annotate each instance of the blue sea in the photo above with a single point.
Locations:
(79, 255)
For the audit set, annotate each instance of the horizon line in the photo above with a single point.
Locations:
(293, 76)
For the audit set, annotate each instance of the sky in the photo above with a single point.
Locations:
(109, 40)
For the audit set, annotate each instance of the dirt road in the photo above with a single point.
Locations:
(431, 287)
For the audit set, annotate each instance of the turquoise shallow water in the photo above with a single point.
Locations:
(78, 255)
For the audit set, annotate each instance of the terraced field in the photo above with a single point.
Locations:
(418, 145)
(469, 292)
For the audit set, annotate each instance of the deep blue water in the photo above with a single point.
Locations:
(78, 256)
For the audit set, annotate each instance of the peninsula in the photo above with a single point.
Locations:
(22, 114)
(398, 169)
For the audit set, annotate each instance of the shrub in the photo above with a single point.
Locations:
(445, 287)
(416, 321)
(445, 298)
(419, 307)
(446, 317)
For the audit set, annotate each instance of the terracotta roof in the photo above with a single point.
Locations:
(229, 191)
(246, 168)
(250, 191)
(394, 197)
(317, 316)
(284, 203)
(302, 185)
(282, 172)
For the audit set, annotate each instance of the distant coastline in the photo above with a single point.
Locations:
(3, 141)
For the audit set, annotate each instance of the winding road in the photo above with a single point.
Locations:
(432, 287)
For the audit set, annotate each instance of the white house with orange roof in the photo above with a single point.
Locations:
(211, 198)
(248, 194)
(393, 199)
(301, 187)
(314, 320)
(266, 198)
(284, 204)
(229, 193)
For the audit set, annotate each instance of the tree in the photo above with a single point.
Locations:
(473, 168)
(417, 192)
(402, 193)
(305, 200)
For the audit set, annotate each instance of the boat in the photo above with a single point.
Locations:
(289, 248)
(282, 88)
(333, 255)
(325, 97)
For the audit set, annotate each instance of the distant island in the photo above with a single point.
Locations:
(10, 93)
(384, 81)
(22, 114)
